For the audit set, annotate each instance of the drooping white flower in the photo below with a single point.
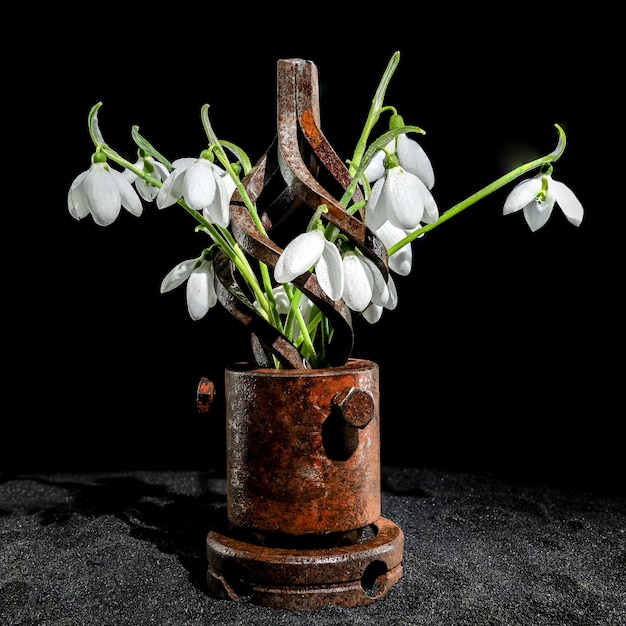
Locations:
(411, 157)
(357, 292)
(203, 185)
(200, 292)
(309, 250)
(102, 191)
(374, 311)
(402, 199)
(145, 190)
(363, 282)
(400, 261)
(537, 196)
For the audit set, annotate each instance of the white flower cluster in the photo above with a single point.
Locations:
(396, 181)
(400, 202)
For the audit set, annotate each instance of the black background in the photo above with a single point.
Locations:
(505, 352)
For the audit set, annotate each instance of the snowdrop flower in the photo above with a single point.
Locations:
(400, 198)
(400, 261)
(203, 185)
(411, 157)
(308, 250)
(374, 311)
(154, 168)
(200, 276)
(363, 282)
(536, 197)
(102, 191)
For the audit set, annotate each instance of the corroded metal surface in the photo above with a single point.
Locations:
(298, 579)
(294, 161)
(205, 395)
(294, 463)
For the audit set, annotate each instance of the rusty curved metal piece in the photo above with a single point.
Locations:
(299, 138)
(238, 305)
(298, 83)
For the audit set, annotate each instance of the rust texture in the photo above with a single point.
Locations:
(299, 457)
(346, 576)
(205, 395)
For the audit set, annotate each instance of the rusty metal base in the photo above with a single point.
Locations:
(297, 578)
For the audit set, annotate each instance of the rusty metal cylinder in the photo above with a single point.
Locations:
(303, 448)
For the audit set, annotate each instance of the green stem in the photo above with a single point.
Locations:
(486, 191)
(376, 109)
(294, 312)
(220, 152)
(221, 236)
(225, 162)
(148, 148)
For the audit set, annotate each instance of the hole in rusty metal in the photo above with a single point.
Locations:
(374, 579)
(235, 578)
(340, 440)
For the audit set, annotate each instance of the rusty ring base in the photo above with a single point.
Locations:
(298, 579)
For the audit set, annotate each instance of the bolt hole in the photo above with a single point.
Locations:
(235, 578)
(374, 579)
(340, 440)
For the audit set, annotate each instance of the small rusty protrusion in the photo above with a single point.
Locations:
(205, 396)
(355, 405)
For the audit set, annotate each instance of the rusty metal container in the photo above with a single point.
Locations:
(303, 448)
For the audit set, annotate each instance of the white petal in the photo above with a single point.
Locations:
(178, 274)
(183, 163)
(329, 271)
(413, 159)
(401, 198)
(537, 215)
(218, 211)
(201, 294)
(199, 185)
(172, 189)
(160, 171)
(146, 191)
(376, 167)
(300, 254)
(392, 303)
(431, 210)
(75, 198)
(380, 293)
(357, 292)
(401, 261)
(374, 215)
(521, 195)
(281, 299)
(373, 313)
(569, 203)
(101, 195)
(130, 199)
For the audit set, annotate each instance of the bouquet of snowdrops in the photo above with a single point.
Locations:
(390, 191)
